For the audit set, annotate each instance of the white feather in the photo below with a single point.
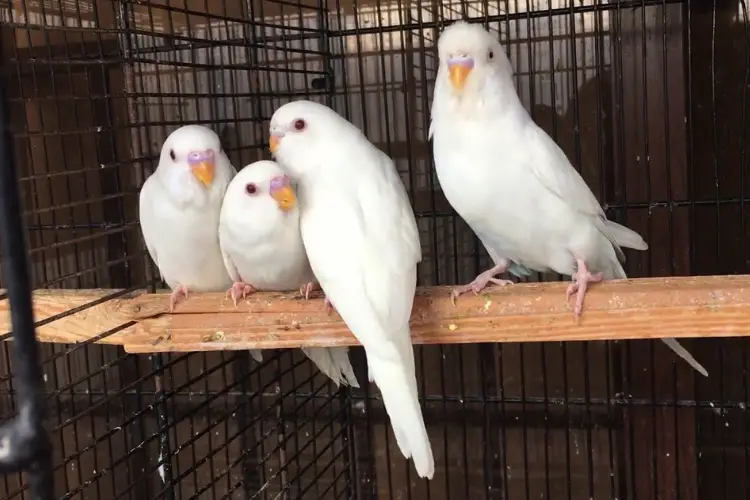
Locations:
(509, 180)
(262, 246)
(362, 241)
(333, 362)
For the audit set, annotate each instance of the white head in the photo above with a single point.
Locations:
(191, 163)
(303, 133)
(261, 191)
(470, 58)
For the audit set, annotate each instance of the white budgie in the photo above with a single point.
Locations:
(509, 180)
(179, 212)
(262, 248)
(362, 241)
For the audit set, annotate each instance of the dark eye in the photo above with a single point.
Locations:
(251, 188)
(172, 155)
(490, 55)
(299, 124)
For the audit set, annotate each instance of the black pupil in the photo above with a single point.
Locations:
(171, 154)
(299, 124)
(491, 55)
(250, 188)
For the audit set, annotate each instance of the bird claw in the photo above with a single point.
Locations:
(174, 297)
(581, 280)
(305, 289)
(460, 290)
(479, 284)
(239, 290)
(572, 288)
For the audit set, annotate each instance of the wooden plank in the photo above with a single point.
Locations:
(96, 314)
(714, 306)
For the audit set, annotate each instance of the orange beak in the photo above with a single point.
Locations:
(273, 144)
(204, 171)
(285, 197)
(458, 72)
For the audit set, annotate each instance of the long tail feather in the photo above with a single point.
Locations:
(684, 354)
(405, 413)
(625, 237)
(333, 362)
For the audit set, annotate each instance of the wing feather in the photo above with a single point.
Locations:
(366, 262)
(146, 212)
(363, 245)
(553, 171)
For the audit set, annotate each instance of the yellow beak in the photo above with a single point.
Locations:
(458, 74)
(285, 197)
(204, 172)
(273, 144)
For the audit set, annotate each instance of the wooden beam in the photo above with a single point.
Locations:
(97, 311)
(713, 306)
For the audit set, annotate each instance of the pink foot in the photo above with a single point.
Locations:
(305, 289)
(481, 281)
(174, 297)
(581, 280)
(328, 305)
(239, 290)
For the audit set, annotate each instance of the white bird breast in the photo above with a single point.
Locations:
(491, 187)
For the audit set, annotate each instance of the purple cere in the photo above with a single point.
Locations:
(461, 61)
(279, 182)
(199, 156)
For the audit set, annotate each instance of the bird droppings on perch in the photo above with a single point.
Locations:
(713, 306)
(214, 337)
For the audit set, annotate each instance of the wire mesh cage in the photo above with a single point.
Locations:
(647, 98)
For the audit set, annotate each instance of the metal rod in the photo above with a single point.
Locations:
(163, 423)
(24, 443)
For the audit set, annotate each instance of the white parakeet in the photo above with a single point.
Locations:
(362, 241)
(262, 248)
(509, 180)
(179, 213)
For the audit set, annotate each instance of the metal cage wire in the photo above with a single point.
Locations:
(648, 98)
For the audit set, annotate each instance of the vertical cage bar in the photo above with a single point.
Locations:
(163, 425)
(251, 467)
(23, 441)
(324, 46)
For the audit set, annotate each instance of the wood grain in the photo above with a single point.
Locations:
(714, 306)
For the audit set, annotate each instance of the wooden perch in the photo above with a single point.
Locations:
(714, 306)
